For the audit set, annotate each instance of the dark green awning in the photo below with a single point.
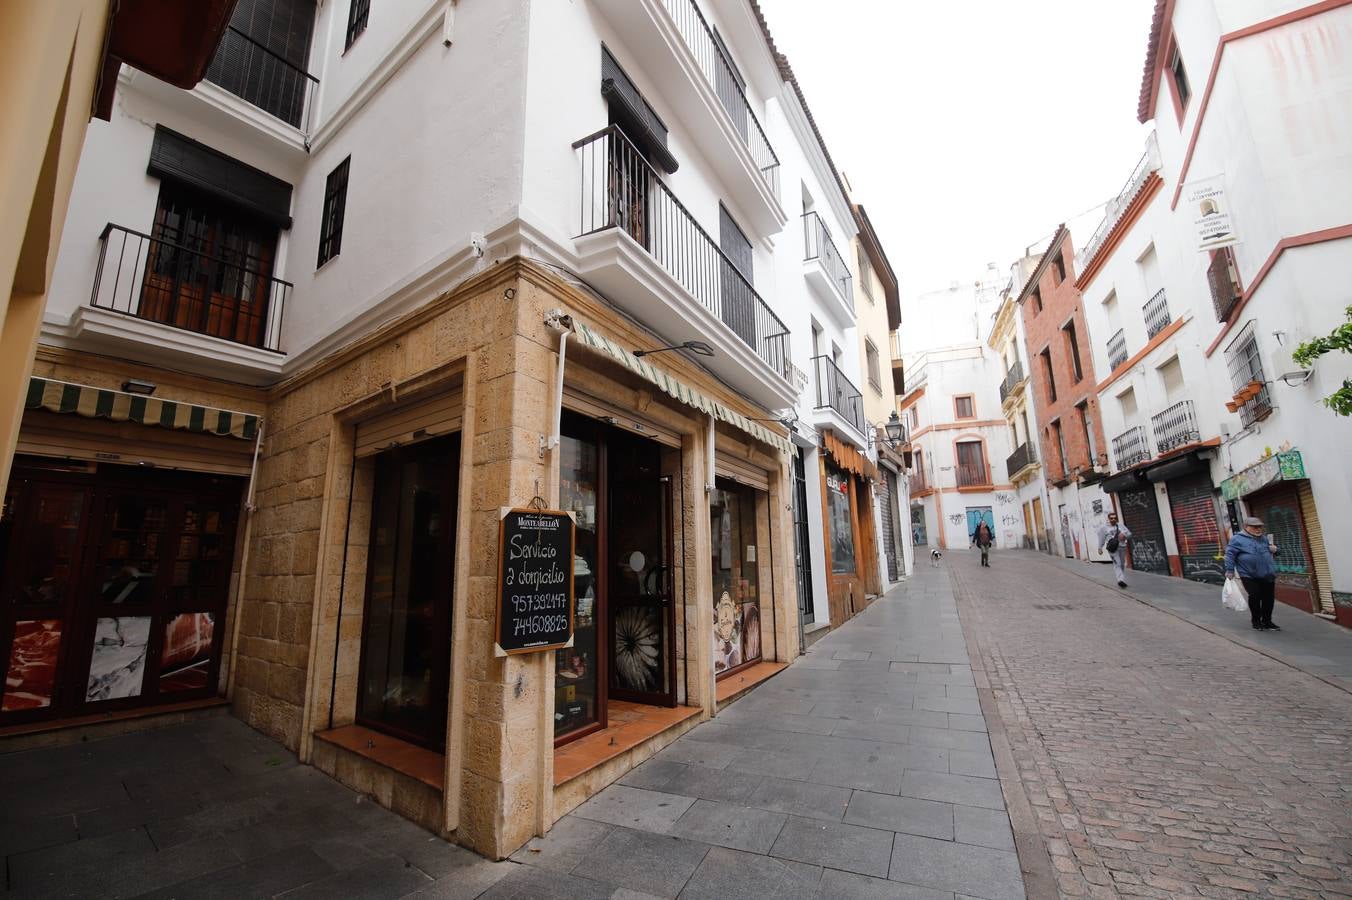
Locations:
(119, 406)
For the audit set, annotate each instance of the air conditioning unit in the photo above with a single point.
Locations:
(1283, 366)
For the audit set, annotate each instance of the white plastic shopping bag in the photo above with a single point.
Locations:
(1233, 597)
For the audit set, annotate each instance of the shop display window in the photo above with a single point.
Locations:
(841, 523)
(737, 632)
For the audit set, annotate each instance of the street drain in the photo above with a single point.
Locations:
(1052, 606)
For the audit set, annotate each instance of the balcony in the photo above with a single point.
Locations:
(639, 244)
(1020, 459)
(1156, 312)
(1220, 277)
(836, 392)
(898, 366)
(1013, 378)
(1131, 447)
(1175, 427)
(167, 303)
(1113, 212)
(973, 474)
(680, 51)
(265, 79)
(1117, 350)
(825, 269)
(919, 483)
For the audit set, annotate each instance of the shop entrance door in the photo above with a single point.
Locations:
(1141, 515)
(1192, 504)
(114, 588)
(406, 629)
(802, 554)
(624, 630)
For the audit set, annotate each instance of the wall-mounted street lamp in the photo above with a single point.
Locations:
(699, 348)
(894, 432)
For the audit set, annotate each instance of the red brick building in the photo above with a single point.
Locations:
(1065, 398)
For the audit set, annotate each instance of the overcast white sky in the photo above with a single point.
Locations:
(971, 128)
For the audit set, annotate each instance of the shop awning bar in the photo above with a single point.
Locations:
(119, 406)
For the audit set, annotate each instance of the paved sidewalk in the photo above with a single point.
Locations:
(862, 771)
(1306, 642)
(210, 808)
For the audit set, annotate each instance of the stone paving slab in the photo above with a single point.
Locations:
(837, 778)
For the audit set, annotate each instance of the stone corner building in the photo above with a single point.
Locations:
(310, 336)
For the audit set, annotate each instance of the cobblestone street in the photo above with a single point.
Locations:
(1156, 758)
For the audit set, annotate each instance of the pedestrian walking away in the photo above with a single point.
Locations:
(983, 538)
(1250, 556)
(1112, 539)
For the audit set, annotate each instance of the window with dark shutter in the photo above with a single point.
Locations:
(263, 56)
(635, 116)
(331, 222)
(357, 14)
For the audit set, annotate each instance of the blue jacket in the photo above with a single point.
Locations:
(1249, 557)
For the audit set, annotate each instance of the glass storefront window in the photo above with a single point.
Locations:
(575, 677)
(737, 633)
(406, 636)
(841, 525)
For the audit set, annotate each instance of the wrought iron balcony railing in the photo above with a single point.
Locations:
(1175, 427)
(976, 474)
(1117, 349)
(161, 281)
(269, 81)
(727, 83)
(1020, 459)
(836, 391)
(1012, 379)
(1115, 208)
(1156, 312)
(1246, 368)
(818, 245)
(1131, 447)
(918, 483)
(621, 190)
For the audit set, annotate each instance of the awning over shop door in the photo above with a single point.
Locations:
(119, 406)
(848, 458)
(679, 390)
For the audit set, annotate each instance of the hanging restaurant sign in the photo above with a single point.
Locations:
(535, 580)
(1209, 209)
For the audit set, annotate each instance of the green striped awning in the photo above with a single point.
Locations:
(679, 390)
(119, 406)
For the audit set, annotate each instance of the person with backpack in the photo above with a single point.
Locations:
(1113, 539)
(983, 538)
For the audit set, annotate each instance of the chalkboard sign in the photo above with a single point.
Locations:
(535, 580)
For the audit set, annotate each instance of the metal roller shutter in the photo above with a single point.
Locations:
(1279, 508)
(740, 471)
(1141, 515)
(886, 495)
(414, 422)
(593, 408)
(1192, 504)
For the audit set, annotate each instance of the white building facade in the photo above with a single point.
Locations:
(392, 269)
(959, 438)
(1207, 415)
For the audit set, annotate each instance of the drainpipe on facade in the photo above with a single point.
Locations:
(244, 563)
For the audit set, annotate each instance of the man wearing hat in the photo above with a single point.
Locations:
(1250, 557)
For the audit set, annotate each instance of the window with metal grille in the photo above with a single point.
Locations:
(875, 371)
(331, 222)
(357, 14)
(1246, 368)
